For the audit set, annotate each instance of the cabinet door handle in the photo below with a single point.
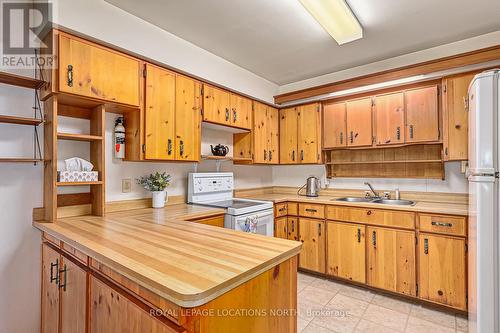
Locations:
(352, 137)
(181, 147)
(311, 210)
(56, 276)
(341, 137)
(426, 246)
(319, 229)
(227, 114)
(359, 235)
(374, 239)
(398, 133)
(70, 75)
(293, 226)
(265, 155)
(442, 224)
(293, 155)
(411, 131)
(235, 115)
(301, 155)
(270, 155)
(64, 271)
(169, 147)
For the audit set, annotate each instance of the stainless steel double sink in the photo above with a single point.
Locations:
(381, 201)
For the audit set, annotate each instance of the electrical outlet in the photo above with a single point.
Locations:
(463, 166)
(126, 185)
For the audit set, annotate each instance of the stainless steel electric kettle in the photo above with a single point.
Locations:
(312, 186)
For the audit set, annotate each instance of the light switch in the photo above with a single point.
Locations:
(126, 185)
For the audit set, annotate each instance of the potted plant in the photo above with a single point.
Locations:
(156, 183)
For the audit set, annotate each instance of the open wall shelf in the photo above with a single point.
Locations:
(78, 137)
(20, 81)
(20, 120)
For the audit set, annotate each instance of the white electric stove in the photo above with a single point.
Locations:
(216, 190)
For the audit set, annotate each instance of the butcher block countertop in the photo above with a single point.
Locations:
(420, 206)
(187, 263)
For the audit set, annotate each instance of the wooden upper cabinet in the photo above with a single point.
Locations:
(346, 251)
(334, 125)
(273, 135)
(187, 119)
(50, 289)
(260, 133)
(288, 135)
(391, 260)
(422, 114)
(309, 133)
(442, 270)
(455, 117)
(241, 111)
(160, 113)
(389, 115)
(216, 105)
(312, 235)
(89, 70)
(359, 122)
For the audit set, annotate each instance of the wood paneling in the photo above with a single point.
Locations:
(73, 298)
(50, 290)
(160, 113)
(455, 117)
(346, 251)
(391, 260)
(288, 136)
(422, 114)
(309, 133)
(313, 238)
(91, 70)
(216, 105)
(187, 119)
(389, 116)
(442, 270)
(359, 122)
(334, 125)
(312, 210)
(371, 216)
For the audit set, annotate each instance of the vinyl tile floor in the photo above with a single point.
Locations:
(326, 306)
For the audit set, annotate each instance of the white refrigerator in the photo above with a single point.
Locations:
(484, 237)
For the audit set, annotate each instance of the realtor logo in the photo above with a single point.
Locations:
(24, 25)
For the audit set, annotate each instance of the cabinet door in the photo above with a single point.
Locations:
(260, 133)
(241, 111)
(112, 311)
(50, 289)
(187, 119)
(422, 114)
(292, 228)
(359, 122)
(288, 136)
(94, 71)
(159, 113)
(389, 119)
(73, 298)
(455, 117)
(273, 135)
(346, 251)
(216, 105)
(334, 125)
(309, 145)
(312, 236)
(442, 270)
(280, 228)
(391, 260)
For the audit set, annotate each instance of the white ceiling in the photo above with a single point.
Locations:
(280, 41)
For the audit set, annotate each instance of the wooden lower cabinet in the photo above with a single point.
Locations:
(391, 260)
(442, 270)
(346, 251)
(281, 227)
(313, 238)
(292, 224)
(50, 289)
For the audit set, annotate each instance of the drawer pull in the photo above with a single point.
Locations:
(56, 277)
(282, 209)
(311, 210)
(359, 235)
(442, 224)
(426, 246)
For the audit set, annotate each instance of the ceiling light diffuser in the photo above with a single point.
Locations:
(336, 18)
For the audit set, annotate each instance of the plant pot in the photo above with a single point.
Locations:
(159, 199)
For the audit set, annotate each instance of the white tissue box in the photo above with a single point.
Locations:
(77, 176)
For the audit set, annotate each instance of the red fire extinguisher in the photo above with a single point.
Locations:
(119, 138)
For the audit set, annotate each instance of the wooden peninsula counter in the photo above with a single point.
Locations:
(149, 270)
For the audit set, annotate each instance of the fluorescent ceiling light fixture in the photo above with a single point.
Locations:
(336, 18)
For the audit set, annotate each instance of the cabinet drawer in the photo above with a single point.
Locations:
(281, 209)
(81, 257)
(442, 224)
(293, 209)
(312, 210)
(51, 239)
(372, 216)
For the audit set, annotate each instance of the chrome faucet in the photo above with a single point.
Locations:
(375, 194)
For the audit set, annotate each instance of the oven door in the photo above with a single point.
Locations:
(258, 223)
